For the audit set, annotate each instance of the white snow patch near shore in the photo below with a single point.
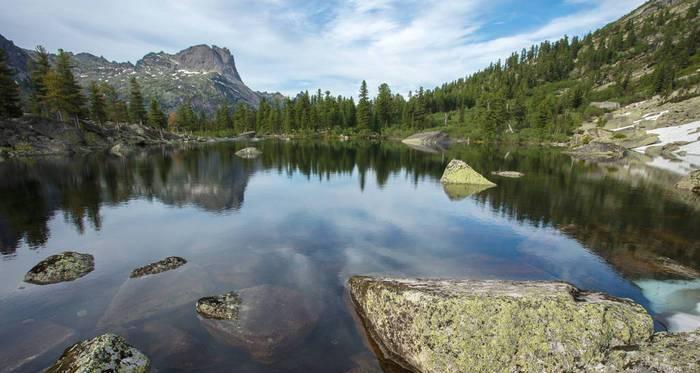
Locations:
(678, 300)
(688, 155)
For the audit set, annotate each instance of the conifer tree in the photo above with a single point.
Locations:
(98, 105)
(116, 108)
(384, 106)
(39, 67)
(63, 95)
(223, 116)
(9, 91)
(364, 110)
(137, 112)
(156, 116)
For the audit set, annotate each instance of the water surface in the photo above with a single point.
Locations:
(305, 216)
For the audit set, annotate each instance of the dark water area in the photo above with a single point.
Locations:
(304, 217)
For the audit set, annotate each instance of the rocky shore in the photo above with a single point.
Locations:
(31, 136)
(475, 326)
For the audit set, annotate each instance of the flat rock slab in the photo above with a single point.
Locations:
(24, 343)
(427, 138)
(271, 320)
(509, 174)
(106, 353)
(67, 266)
(166, 264)
(445, 326)
(459, 172)
(142, 298)
(249, 153)
(599, 151)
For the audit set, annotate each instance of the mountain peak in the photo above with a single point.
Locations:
(207, 58)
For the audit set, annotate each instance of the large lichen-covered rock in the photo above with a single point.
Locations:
(690, 182)
(106, 353)
(167, 264)
(269, 321)
(664, 352)
(458, 192)
(446, 326)
(458, 172)
(67, 266)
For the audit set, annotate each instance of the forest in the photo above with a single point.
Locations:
(543, 92)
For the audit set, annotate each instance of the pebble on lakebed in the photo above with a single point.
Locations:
(166, 264)
(67, 266)
(106, 353)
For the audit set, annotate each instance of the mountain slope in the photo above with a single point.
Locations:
(203, 75)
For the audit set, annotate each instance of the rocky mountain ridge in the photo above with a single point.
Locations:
(203, 75)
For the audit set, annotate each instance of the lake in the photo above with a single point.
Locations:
(301, 219)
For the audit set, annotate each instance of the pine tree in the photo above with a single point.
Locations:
(39, 67)
(156, 117)
(116, 108)
(97, 103)
(9, 91)
(63, 95)
(384, 106)
(137, 112)
(364, 110)
(223, 116)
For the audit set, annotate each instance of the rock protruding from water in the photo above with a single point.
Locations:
(447, 326)
(220, 307)
(167, 264)
(271, 321)
(248, 153)
(458, 172)
(508, 174)
(690, 182)
(106, 353)
(67, 266)
(427, 138)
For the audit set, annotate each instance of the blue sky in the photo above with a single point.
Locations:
(289, 46)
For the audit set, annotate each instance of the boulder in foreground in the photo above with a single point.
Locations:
(166, 264)
(445, 326)
(106, 353)
(67, 266)
(248, 153)
(458, 172)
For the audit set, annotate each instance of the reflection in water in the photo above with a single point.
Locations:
(314, 214)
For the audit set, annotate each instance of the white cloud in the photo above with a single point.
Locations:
(289, 46)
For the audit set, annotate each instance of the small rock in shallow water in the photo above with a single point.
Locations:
(510, 174)
(219, 307)
(106, 353)
(248, 153)
(458, 172)
(271, 320)
(161, 266)
(67, 266)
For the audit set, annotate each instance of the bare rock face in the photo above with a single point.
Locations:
(248, 153)
(268, 321)
(166, 264)
(458, 172)
(690, 182)
(106, 353)
(67, 266)
(444, 326)
(599, 151)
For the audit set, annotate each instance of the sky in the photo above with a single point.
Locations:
(295, 45)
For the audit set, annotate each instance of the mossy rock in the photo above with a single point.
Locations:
(106, 353)
(67, 266)
(458, 172)
(445, 326)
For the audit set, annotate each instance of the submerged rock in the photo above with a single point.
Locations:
(271, 320)
(166, 264)
(510, 174)
(599, 151)
(67, 266)
(446, 326)
(248, 153)
(690, 182)
(106, 353)
(458, 172)
(219, 307)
